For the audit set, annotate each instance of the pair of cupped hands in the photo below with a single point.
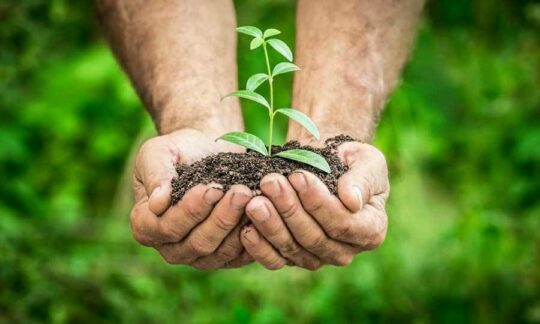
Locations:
(294, 220)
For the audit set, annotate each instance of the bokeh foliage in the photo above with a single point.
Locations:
(461, 135)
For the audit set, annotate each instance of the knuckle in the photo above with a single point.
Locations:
(275, 265)
(341, 230)
(195, 213)
(290, 248)
(381, 228)
(141, 238)
(199, 247)
(224, 223)
(375, 236)
(168, 231)
(378, 238)
(203, 266)
(313, 266)
(136, 229)
(314, 206)
(170, 257)
(228, 252)
(378, 201)
(289, 210)
(315, 242)
(272, 230)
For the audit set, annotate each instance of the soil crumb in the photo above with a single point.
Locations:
(249, 168)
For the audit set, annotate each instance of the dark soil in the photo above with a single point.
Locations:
(250, 167)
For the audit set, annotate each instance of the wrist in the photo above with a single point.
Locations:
(192, 136)
(350, 110)
(305, 138)
(212, 118)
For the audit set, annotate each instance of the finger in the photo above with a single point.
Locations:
(230, 249)
(205, 238)
(305, 229)
(367, 176)
(178, 220)
(328, 211)
(160, 198)
(172, 254)
(371, 223)
(243, 260)
(154, 169)
(260, 249)
(144, 223)
(271, 226)
(225, 216)
(337, 221)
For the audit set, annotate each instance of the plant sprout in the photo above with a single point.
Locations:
(253, 142)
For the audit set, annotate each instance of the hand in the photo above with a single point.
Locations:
(202, 229)
(298, 221)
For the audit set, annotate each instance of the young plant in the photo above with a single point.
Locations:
(253, 142)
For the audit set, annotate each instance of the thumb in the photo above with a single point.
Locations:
(160, 198)
(155, 171)
(367, 175)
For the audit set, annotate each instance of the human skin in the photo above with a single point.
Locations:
(181, 58)
(351, 54)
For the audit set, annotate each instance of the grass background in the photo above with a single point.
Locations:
(461, 135)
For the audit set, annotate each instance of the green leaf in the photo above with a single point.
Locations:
(250, 95)
(250, 30)
(246, 140)
(306, 157)
(255, 42)
(271, 32)
(284, 68)
(281, 47)
(301, 119)
(255, 81)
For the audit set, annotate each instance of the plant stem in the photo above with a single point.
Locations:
(271, 112)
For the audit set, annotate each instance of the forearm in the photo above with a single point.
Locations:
(180, 57)
(351, 54)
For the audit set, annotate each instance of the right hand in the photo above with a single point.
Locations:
(201, 230)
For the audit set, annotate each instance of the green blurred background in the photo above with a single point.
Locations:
(461, 135)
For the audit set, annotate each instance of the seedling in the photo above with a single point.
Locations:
(253, 142)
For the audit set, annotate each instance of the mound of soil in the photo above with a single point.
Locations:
(249, 168)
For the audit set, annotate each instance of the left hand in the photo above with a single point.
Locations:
(299, 222)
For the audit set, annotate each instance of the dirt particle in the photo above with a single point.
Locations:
(249, 168)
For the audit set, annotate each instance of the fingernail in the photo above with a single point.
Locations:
(239, 199)
(272, 188)
(301, 181)
(260, 213)
(251, 235)
(212, 195)
(359, 195)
